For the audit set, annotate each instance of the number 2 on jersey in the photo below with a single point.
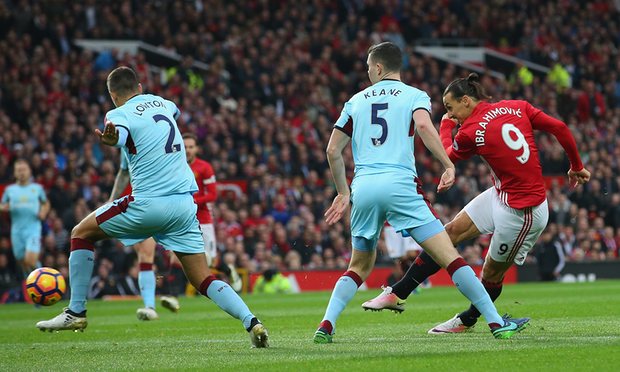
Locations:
(518, 144)
(170, 147)
(376, 120)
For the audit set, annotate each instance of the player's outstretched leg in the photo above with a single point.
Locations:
(465, 280)
(197, 271)
(440, 247)
(81, 262)
(466, 320)
(393, 298)
(229, 301)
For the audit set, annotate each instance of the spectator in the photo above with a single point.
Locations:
(104, 283)
(265, 128)
(550, 256)
(591, 103)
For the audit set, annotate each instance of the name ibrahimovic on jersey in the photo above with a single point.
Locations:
(490, 115)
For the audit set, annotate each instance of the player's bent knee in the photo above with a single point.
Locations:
(88, 229)
(452, 231)
(30, 260)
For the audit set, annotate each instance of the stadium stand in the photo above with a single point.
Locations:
(263, 111)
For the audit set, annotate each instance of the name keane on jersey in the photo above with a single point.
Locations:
(382, 92)
(147, 105)
(490, 115)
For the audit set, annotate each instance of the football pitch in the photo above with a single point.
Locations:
(573, 327)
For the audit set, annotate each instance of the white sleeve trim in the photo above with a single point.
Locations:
(209, 180)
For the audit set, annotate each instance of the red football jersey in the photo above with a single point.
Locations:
(502, 134)
(205, 178)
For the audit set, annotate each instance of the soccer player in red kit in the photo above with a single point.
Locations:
(205, 178)
(515, 209)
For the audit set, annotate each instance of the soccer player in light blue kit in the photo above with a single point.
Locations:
(146, 256)
(28, 205)
(381, 121)
(161, 204)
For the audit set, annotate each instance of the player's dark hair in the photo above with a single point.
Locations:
(21, 160)
(123, 81)
(190, 135)
(388, 54)
(469, 86)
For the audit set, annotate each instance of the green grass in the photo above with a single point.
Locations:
(574, 327)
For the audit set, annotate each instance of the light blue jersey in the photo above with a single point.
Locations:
(160, 205)
(380, 124)
(379, 121)
(124, 162)
(151, 141)
(24, 205)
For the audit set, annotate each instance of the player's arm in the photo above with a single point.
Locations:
(115, 131)
(464, 150)
(4, 204)
(209, 194)
(577, 173)
(44, 209)
(120, 183)
(45, 204)
(430, 137)
(336, 145)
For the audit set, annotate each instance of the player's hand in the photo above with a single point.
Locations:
(109, 136)
(4, 207)
(578, 177)
(447, 180)
(41, 216)
(337, 209)
(447, 117)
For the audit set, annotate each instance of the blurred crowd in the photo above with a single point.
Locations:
(278, 74)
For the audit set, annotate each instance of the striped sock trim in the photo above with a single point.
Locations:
(455, 265)
(353, 275)
(78, 243)
(146, 266)
(205, 284)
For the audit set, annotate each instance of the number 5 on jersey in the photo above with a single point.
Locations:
(170, 147)
(376, 120)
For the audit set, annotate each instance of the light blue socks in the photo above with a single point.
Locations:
(465, 280)
(146, 281)
(81, 263)
(343, 292)
(229, 301)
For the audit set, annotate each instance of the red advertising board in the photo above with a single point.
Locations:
(321, 280)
